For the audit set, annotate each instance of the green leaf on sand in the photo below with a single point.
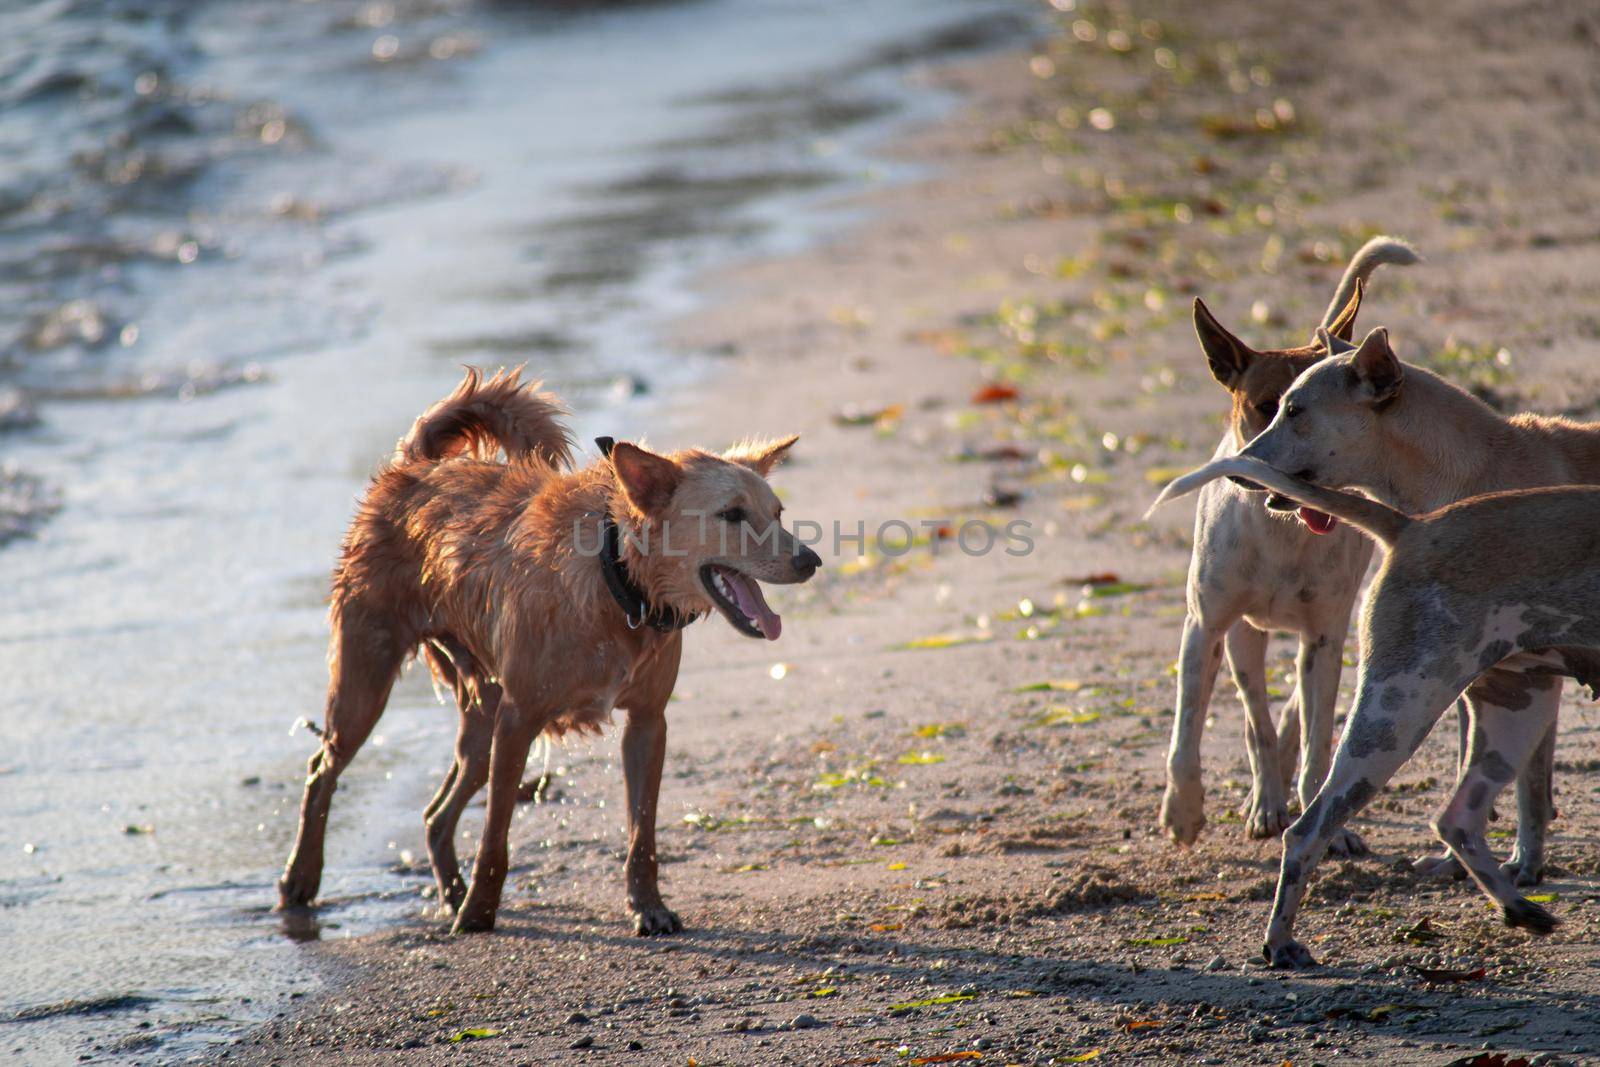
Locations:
(942, 641)
(1054, 685)
(931, 1002)
(1065, 715)
(476, 1034)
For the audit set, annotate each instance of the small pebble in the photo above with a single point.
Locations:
(583, 1042)
(635, 1046)
(1217, 964)
(577, 1018)
(805, 1021)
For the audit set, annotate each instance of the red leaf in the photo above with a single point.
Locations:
(995, 393)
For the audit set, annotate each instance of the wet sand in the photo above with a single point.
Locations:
(889, 839)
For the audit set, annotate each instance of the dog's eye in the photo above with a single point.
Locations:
(733, 515)
(1267, 408)
(1291, 411)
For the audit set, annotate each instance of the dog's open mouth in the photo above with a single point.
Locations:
(739, 598)
(1318, 522)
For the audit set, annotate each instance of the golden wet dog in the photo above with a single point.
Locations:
(545, 597)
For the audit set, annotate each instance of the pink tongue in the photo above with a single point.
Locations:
(753, 604)
(1318, 522)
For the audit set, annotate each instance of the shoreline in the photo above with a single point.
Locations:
(206, 521)
(931, 831)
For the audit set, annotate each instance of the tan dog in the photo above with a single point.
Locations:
(1254, 571)
(1462, 602)
(545, 598)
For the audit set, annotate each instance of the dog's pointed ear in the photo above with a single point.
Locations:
(1344, 323)
(761, 456)
(1228, 356)
(648, 480)
(1377, 368)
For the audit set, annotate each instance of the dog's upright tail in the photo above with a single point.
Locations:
(1372, 255)
(483, 416)
(1379, 520)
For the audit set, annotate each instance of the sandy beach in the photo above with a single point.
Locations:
(922, 827)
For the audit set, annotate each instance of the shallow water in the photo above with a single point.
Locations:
(242, 243)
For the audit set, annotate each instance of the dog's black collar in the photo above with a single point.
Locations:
(628, 595)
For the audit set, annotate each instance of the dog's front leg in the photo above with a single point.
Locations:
(1183, 813)
(1267, 813)
(644, 750)
(514, 731)
(1375, 744)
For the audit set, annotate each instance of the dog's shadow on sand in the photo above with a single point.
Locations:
(1299, 1007)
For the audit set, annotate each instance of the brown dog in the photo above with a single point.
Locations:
(546, 598)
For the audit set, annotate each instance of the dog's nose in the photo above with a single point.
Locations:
(805, 562)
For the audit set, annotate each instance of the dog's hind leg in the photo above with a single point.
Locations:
(478, 701)
(1503, 742)
(1289, 740)
(1267, 812)
(364, 659)
(474, 740)
(1536, 805)
(1317, 668)
(443, 669)
(1442, 864)
(1183, 807)
(1376, 742)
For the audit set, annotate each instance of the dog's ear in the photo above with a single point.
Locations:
(1228, 356)
(647, 479)
(1377, 368)
(761, 456)
(1344, 323)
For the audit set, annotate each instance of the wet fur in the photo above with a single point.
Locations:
(487, 567)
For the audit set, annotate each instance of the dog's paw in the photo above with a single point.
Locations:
(1439, 866)
(296, 893)
(654, 920)
(471, 920)
(1347, 844)
(1183, 814)
(1523, 871)
(1525, 914)
(1265, 819)
(1289, 956)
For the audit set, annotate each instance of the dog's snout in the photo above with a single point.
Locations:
(806, 562)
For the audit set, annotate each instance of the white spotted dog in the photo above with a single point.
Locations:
(1497, 591)
(1406, 437)
(1256, 570)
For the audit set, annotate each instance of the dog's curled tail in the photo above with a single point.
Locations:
(1372, 255)
(486, 415)
(1379, 520)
